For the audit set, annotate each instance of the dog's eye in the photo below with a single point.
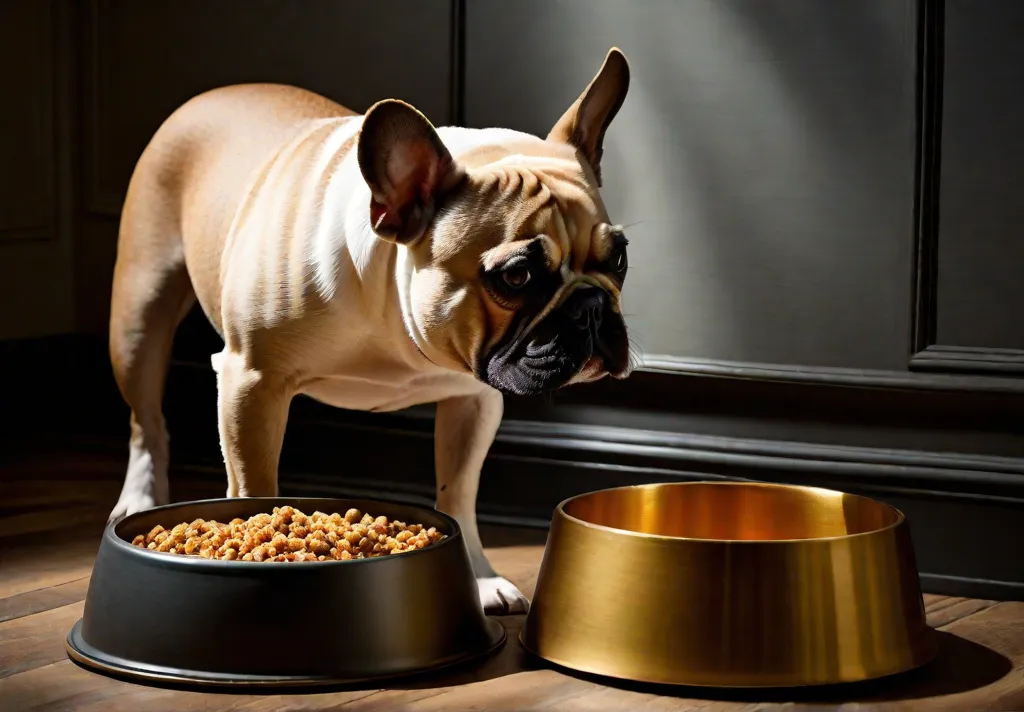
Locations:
(516, 277)
(618, 260)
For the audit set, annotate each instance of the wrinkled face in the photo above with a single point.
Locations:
(513, 269)
(520, 278)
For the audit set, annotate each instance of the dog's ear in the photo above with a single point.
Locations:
(585, 123)
(406, 166)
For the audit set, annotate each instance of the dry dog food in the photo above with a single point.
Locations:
(290, 535)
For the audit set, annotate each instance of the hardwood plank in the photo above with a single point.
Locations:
(496, 536)
(78, 466)
(946, 687)
(542, 689)
(42, 492)
(55, 687)
(65, 686)
(955, 609)
(34, 562)
(45, 520)
(980, 666)
(45, 577)
(995, 632)
(600, 699)
(34, 641)
(43, 599)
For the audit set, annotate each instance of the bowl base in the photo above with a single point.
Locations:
(84, 655)
(611, 678)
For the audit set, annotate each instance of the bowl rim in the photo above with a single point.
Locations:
(560, 511)
(110, 534)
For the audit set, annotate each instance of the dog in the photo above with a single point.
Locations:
(372, 262)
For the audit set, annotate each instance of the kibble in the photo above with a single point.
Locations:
(290, 535)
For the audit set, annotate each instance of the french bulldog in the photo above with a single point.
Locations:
(371, 262)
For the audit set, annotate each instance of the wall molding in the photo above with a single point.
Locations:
(457, 82)
(931, 24)
(952, 475)
(926, 353)
(98, 199)
(969, 359)
(960, 505)
(45, 227)
(29, 233)
(966, 506)
(827, 375)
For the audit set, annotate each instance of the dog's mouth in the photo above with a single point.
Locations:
(582, 341)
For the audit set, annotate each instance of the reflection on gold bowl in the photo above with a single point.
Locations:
(729, 584)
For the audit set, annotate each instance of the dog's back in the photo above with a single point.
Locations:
(194, 172)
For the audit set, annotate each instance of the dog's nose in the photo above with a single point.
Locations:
(586, 308)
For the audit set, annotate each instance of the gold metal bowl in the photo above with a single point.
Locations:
(729, 584)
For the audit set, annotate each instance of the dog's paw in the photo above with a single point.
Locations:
(131, 503)
(145, 484)
(500, 597)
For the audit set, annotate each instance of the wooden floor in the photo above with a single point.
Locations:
(51, 514)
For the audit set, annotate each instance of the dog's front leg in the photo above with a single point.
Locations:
(464, 430)
(253, 412)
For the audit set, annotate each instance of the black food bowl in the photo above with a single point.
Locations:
(154, 616)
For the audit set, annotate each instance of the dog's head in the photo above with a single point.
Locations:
(512, 267)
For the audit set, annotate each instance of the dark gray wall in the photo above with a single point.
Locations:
(826, 245)
(143, 60)
(767, 147)
(981, 211)
(85, 85)
(36, 189)
(146, 59)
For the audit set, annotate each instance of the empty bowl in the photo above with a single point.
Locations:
(155, 616)
(729, 584)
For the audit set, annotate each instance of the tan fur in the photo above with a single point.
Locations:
(250, 199)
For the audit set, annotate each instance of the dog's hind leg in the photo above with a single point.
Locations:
(152, 293)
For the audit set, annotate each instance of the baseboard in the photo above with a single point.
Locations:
(972, 588)
(965, 508)
(852, 377)
(968, 359)
(961, 487)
